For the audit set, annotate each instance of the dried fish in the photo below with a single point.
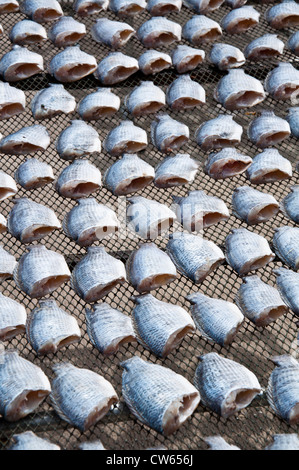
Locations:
(163, 7)
(218, 442)
(27, 32)
(157, 396)
(94, 445)
(268, 129)
(66, 32)
(72, 64)
(203, 6)
(25, 141)
(285, 243)
(219, 133)
(42, 11)
(226, 56)
(114, 34)
(127, 8)
(288, 285)
(293, 120)
(20, 63)
(78, 180)
(253, 206)
(152, 62)
(263, 48)
(186, 58)
(159, 31)
(9, 6)
(7, 264)
(52, 101)
(87, 8)
(269, 166)
(201, 30)
(185, 93)
(34, 174)
(293, 43)
(77, 140)
(13, 315)
(168, 134)
(175, 171)
(99, 104)
(282, 83)
(283, 15)
(146, 98)
(240, 20)
(235, 3)
(125, 138)
(115, 68)
(290, 204)
(284, 442)
(12, 101)
(3, 223)
(29, 441)
(8, 187)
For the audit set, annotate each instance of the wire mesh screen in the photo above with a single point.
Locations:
(253, 346)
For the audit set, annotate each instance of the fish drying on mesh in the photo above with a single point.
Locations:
(12, 101)
(293, 43)
(290, 204)
(235, 3)
(151, 62)
(203, 6)
(282, 82)
(7, 264)
(125, 138)
(264, 47)
(29, 441)
(52, 101)
(287, 282)
(66, 32)
(286, 243)
(127, 8)
(168, 134)
(283, 15)
(159, 31)
(3, 224)
(269, 166)
(284, 442)
(92, 445)
(184, 93)
(114, 34)
(268, 129)
(253, 206)
(226, 56)
(186, 58)
(20, 63)
(116, 67)
(163, 7)
(86, 8)
(219, 443)
(176, 170)
(148, 268)
(77, 140)
(99, 104)
(8, 187)
(80, 179)
(28, 32)
(200, 30)
(97, 274)
(13, 316)
(226, 163)
(293, 120)
(72, 64)
(240, 20)
(9, 6)
(28, 140)
(218, 133)
(144, 99)
(33, 174)
(42, 11)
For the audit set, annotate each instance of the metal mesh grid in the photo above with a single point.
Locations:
(253, 427)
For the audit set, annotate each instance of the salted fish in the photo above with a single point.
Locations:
(238, 90)
(253, 206)
(283, 15)
(185, 93)
(9, 6)
(20, 63)
(203, 6)
(290, 204)
(145, 98)
(152, 62)
(49, 328)
(269, 166)
(80, 179)
(128, 175)
(114, 34)
(13, 317)
(52, 101)
(175, 171)
(148, 268)
(285, 243)
(235, 3)
(99, 104)
(225, 386)
(186, 58)
(8, 187)
(268, 129)
(87, 8)
(125, 138)
(293, 120)
(66, 32)
(12, 101)
(264, 47)
(163, 7)
(28, 140)
(42, 11)
(29, 441)
(23, 386)
(3, 224)
(226, 56)
(168, 134)
(7, 264)
(89, 221)
(193, 255)
(27, 32)
(115, 68)
(247, 251)
(201, 30)
(220, 132)
(287, 282)
(127, 8)
(80, 396)
(218, 442)
(160, 326)
(92, 445)
(40, 271)
(283, 389)
(284, 442)
(108, 328)
(240, 20)
(72, 64)
(33, 174)
(282, 83)
(96, 274)
(157, 396)
(148, 218)
(77, 140)
(199, 210)
(293, 43)
(158, 31)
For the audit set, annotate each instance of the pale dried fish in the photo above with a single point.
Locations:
(282, 82)
(293, 43)
(283, 15)
(240, 20)
(253, 206)
(20, 63)
(219, 132)
(78, 180)
(203, 6)
(127, 8)
(72, 64)
(186, 58)
(175, 171)
(28, 140)
(42, 11)
(168, 134)
(226, 56)
(125, 138)
(290, 204)
(159, 31)
(77, 140)
(269, 166)
(9, 6)
(29, 441)
(12, 101)
(163, 7)
(285, 243)
(263, 48)
(87, 8)
(115, 68)
(227, 163)
(13, 316)
(201, 30)
(284, 442)
(293, 120)
(218, 442)
(185, 93)
(152, 62)
(33, 174)
(52, 101)
(66, 32)
(27, 32)
(99, 104)
(8, 187)
(145, 98)
(268, 129)
(114, 34)
(288, 284)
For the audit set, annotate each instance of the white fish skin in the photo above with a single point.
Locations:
(240, 20)
(108, 328)
(23, 386)
(284, 15)
(66, 32)
(13, 317)
(203, 6)
(287, 282)
(115, 68)
(33, 174)
(52, 101)
(146, 98)
(42, 11)
(194, 256)
(92, 445)
(125, 138)
(168, 134)
(225, 56)
(199, 210)
(293, 43)
(218, 442)
(268, 129)
(175, 171)
(27, 32)
(186, 58)
(163, 7)
(87, 8)
(157, 396)
(282, 83)
(72, 64)
(127, 8)
(149, 268)
(49, 328)
(217, 320)
(148, 218)
(114, 34)
(264, 47)
(185, 93)
(96, 274)
(3, 224)
(160, 326)
(218, 133)
(284, 442)
(238, 90)
(19, 63)
(247, 251)
(159, 31)
(201, 30)
(9, 6)
(293, 120)
(8, 187)
(253, 206)
(12, 101)
(152, 62)
(235, 3)
(89, 221)
(128, 175)
(285, 243)
(225, 386)
(80, 396)
(99, 105)
(40, 271)
(77, 140)
(269, 166)
(290, 204)
(7, 264)
(78, 180)
(27, 140)
(29, 441)
(260, 302)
